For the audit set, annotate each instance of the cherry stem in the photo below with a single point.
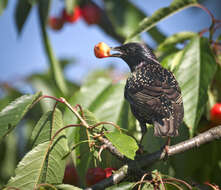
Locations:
(162, 183)
(178, 180)
(214, 21)
(211, 185)
(174, 184)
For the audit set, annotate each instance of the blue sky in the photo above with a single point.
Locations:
(22, 55)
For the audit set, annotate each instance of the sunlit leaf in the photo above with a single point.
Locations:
(194, 74)
(30, 169)
(124, 143)
(55, 165)
(171, 61)
(42, 130)
(41, 164)
(14, 112)
(160, 14)
(176, 38)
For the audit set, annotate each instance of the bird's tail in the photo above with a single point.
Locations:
(165, 128)
(169, 126)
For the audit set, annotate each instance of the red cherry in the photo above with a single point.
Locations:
(94, 175)
(70, 175)
(215, 113)
(109, 171)
(102, 50)
(72, 17)
(55, 23)
(91, 14)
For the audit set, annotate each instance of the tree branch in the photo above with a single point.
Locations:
(112, 149)
(148, 159)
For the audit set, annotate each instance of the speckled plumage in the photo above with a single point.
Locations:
(152, 91)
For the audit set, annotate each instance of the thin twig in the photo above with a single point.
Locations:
(108, 123)
(73, 147)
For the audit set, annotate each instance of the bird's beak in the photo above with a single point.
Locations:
(119, 52)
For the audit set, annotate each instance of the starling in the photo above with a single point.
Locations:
(151, 90)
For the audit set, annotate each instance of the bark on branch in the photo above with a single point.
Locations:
(148, 159)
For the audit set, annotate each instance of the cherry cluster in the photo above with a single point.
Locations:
(90, 13)
(93, 175)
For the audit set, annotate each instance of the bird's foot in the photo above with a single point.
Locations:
(140, 150)
(165, 148)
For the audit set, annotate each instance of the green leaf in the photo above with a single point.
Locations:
(174, 39)
(86, 160)
(125, 16)
(14, 112)
(8, 156)
(171, 61)
(121, 186)
(105, 100)
(90, 117)
(124, 143)
(23, 8)
(69, 5)
(108, 106)
(195, 73)
(41, 164)
(67, 187)
(29, 170)
(88, 93)
(160, 14)
(42, 130)
(55, 165)
(3, 5)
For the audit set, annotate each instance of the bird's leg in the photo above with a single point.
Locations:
(143, 131)
(166, 147)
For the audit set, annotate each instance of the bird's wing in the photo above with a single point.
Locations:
(154, 98)
(162, 104)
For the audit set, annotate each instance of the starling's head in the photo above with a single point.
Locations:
(133, 53)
